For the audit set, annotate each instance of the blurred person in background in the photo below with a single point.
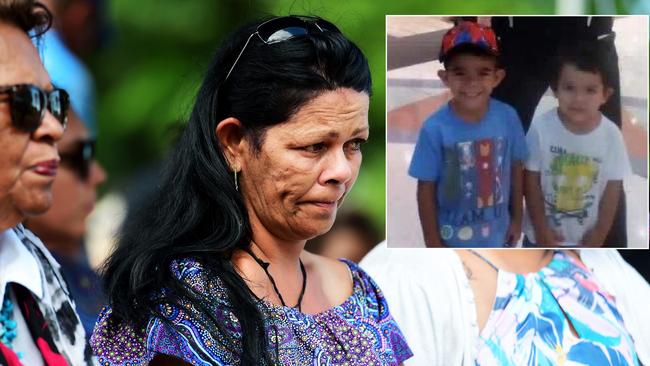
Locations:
(63, 226)
(65, 67)
(212, 269)
(352, 237)
(516, 307)
(80, 24)
(38, 323)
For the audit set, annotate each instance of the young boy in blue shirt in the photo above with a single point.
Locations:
(469, 155)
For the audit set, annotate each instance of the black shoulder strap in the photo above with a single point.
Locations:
(484, 259)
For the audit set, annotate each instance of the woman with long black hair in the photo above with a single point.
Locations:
(212, 270)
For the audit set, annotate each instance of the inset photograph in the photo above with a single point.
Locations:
(517, 131)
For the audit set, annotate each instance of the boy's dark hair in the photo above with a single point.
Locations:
(469, 49)
(590, 57)
(28, 15)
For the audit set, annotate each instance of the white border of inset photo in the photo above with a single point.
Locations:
(414, 92)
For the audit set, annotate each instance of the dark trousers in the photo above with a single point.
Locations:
(528, 48)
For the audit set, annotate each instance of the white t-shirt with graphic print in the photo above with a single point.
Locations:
(574, 170)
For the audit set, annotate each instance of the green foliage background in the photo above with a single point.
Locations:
(148, 73)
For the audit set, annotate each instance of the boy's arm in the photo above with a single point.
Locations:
(426, 195)
(595, 237)
(516, 203)
(535, 205)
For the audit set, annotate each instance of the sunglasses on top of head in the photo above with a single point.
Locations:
(80, 158)
(28, 104)
(283, 28)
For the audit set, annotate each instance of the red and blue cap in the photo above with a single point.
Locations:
(469, 33)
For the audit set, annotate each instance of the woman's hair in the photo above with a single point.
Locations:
(196, 212)
(28, 15)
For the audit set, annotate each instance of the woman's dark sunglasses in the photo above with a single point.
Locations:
(80, 158)
(281, 29)
(29, 102)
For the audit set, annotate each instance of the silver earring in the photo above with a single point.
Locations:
(236, 183)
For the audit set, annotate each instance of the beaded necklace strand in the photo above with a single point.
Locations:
(7, 323)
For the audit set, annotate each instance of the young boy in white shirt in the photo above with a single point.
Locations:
(577, 161)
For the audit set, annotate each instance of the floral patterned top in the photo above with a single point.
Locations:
(530, 323)
(360, 331)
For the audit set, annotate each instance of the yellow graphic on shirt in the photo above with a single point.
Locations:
(573, 177)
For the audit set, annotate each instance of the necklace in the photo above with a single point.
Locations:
(7, 324)
(265, 267)
(489, 262)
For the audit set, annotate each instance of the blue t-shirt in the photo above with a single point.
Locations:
(470, 164)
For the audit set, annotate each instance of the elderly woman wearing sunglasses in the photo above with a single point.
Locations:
(213, 270)
(38, 324)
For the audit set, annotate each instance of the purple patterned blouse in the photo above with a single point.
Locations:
(360, 331)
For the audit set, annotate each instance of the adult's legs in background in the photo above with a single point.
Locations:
(617, 237)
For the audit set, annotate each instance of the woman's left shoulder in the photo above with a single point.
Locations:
(339, 271)
(335, 276)
(361, 277)
(344, 271)
(366, 307)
